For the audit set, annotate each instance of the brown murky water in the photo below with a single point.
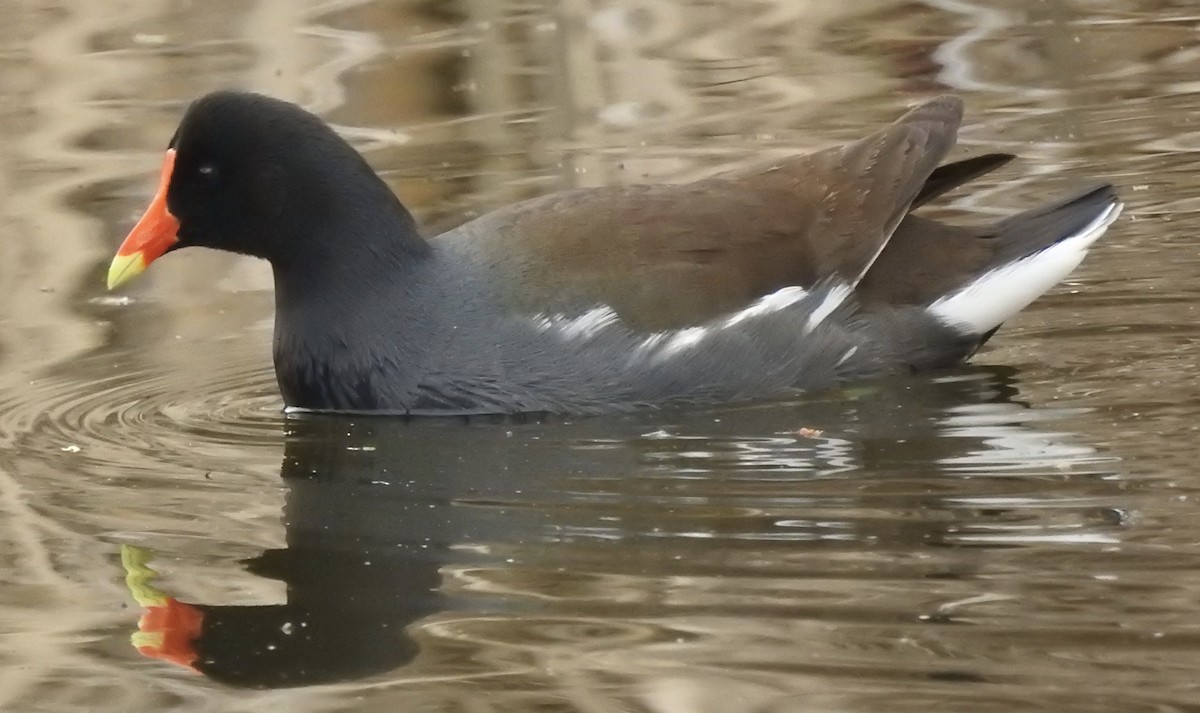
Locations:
(1018, 535)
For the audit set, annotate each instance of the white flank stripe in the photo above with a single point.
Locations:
(646, 347)
(767, 304)
(1000, 293)
(582, 327)
(663, 345)
(683, 339)
(837, 295)
(588, 323)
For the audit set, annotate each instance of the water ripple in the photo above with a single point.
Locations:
(129, 406)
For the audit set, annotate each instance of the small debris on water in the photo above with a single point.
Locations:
(806, 432)
(112, 300)
(658, 435)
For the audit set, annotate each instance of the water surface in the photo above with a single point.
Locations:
(1015, 535)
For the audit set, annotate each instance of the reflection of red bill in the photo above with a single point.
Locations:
(167, 631)
(168, 627)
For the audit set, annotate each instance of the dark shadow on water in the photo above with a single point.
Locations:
(378, 512)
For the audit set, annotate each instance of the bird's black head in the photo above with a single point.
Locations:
(259, 176)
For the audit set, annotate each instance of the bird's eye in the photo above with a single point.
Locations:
(208, 171)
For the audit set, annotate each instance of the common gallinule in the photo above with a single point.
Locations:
(797, 274)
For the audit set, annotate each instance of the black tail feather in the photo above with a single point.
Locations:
(949, 176)
(1038, 228)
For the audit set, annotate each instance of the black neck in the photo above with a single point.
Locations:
(348, 318)
(352, 223)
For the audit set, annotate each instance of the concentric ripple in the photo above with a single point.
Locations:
(103, 404)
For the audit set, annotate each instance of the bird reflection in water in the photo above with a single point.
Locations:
(389, 522)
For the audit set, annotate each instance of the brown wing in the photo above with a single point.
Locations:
(667, 256)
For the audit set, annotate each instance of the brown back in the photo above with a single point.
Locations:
(668, 256)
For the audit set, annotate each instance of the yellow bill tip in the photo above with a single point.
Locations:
(124, 268)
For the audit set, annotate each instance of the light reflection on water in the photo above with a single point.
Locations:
(1004, 537)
